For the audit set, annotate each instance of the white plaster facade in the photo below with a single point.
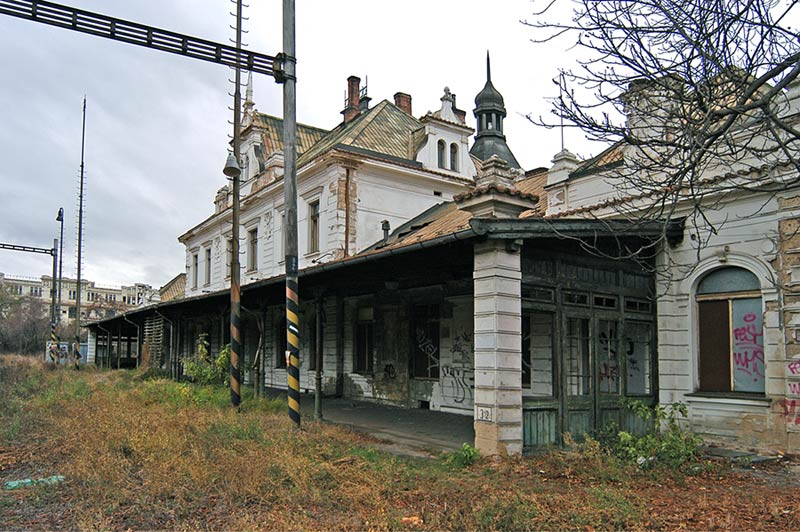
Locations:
(748, 232)
(367, 187)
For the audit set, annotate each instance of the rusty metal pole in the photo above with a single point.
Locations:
(76, 352)
(60, 218)
(53, 288)
(236, 345)
(290, 208)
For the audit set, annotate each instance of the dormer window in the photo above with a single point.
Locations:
(454, 157)
(440, 153)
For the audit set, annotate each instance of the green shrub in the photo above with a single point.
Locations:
(201, 368)
(464, 457)
(666, 444)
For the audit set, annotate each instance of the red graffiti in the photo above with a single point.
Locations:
(749, 334)
(794, 388)
(791, 411)
(794, 367)
(609, 371)
(750, 362)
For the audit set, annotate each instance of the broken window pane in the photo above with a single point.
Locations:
(426, 341)
(577, 347)
(608, 357)
(637, 345)
(537, 354)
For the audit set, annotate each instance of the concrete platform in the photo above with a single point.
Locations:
(426, 431)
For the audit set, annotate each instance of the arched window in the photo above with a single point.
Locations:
(440, 153)
(730, 332)
(454, 157)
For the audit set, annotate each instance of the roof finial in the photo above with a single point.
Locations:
(488, 68)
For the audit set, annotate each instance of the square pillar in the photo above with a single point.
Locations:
(497, 280)
(91, 347)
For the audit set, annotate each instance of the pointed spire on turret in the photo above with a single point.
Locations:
(249, 104)
(490, 111)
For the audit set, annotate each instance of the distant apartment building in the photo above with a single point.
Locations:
(97, 301)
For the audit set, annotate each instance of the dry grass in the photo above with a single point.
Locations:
(152, 454)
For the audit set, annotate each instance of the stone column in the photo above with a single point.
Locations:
(498, 348)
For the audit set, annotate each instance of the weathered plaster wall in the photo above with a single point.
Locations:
(455, 390)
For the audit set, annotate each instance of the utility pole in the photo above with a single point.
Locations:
(53, 289)
(236, 397)
(290, 207)
(53, 292)
(60, 218)
(76, 353)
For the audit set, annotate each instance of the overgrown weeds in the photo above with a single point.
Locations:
(148, 453)
(203, 368)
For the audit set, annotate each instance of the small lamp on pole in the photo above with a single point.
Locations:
(231, 169)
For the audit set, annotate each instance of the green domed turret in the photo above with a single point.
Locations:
(490, 111)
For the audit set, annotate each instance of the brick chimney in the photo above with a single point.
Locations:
(403, 101)
(351, 105)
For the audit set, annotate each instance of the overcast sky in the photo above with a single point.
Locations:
(157, 124)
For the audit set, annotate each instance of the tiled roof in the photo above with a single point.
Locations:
(533, 183)
(384, 129)
(272, 134)
(174, 289)
(485, 189)
(608, 158)
(440, 220)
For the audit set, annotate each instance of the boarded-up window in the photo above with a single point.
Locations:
(730, 328)
(426, 341)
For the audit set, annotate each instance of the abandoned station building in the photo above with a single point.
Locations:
(443, 276)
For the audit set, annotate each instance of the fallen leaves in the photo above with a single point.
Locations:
(158, 465)
(412, 521)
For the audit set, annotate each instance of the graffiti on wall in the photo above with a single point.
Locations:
(427, 346)
(790, 411)
(461, 348)
(456, 384)
(748, 346)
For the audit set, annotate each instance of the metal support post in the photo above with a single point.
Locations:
(60, 218)
(236, 344)
(318, 361)
(53, 290)
(290, 208)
